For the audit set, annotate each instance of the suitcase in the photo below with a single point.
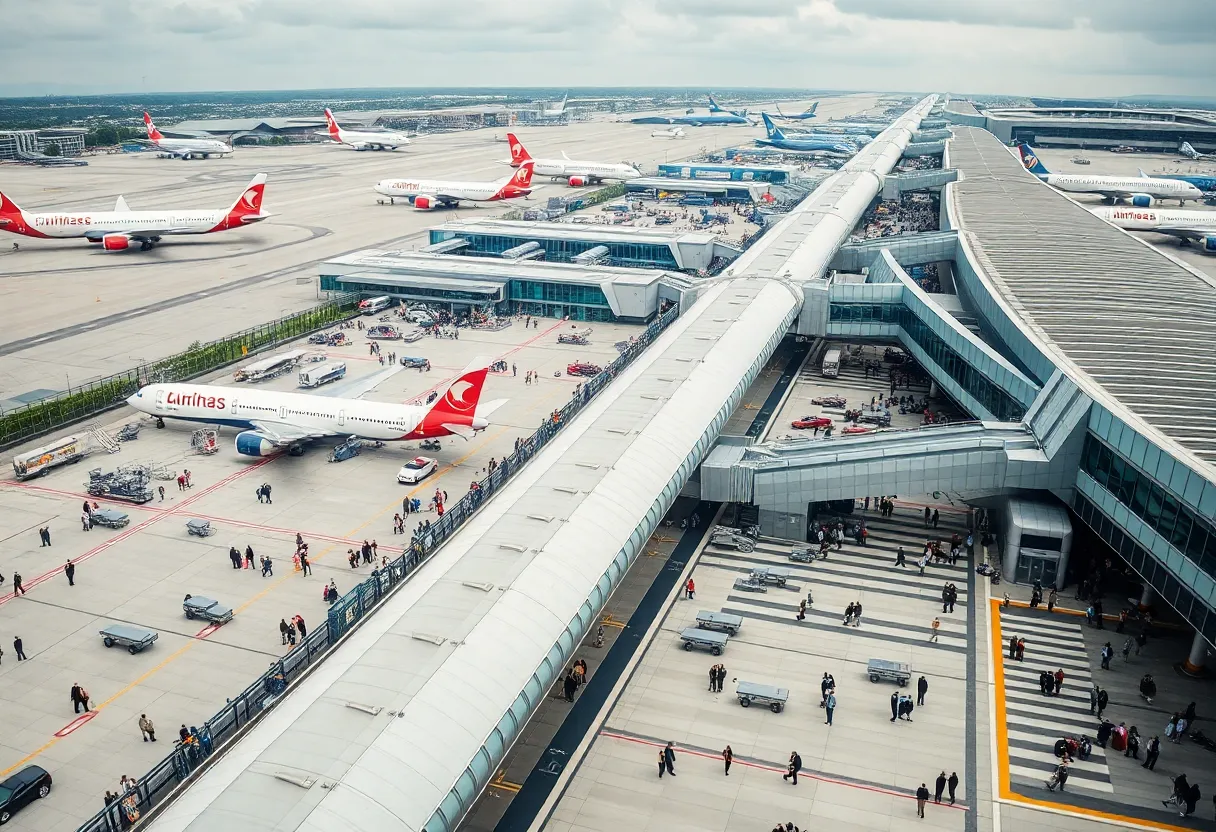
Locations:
(1118, 741)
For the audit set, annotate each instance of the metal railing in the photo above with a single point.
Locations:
(345, 613)
(96, 396)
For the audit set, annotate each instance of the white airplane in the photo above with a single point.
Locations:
(1140, 192)
(275, 421)
(673, 133)
(185, 148)
(1191, 153)
(364, 139)
(577, 173)
(425, 194)
(117, 229)
(559, 110)
(1187, 226)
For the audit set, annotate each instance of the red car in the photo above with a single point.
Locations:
(808, 422)
(581, 368)
(857, 429)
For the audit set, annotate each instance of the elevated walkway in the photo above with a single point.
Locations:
(909, 250)
(919, 180)
(926, 148)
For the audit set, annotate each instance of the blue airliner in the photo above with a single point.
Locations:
(809, 112)
(825, 147)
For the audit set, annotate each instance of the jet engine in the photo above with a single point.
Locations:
(1209, 244)
(424, 203)
(578, 181)
(1141, 200)
(115, 242)
(251, 443)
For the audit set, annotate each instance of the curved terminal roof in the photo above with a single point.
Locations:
(403, 726)
(1139, 323)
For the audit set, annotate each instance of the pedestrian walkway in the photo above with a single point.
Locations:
(1036, 721)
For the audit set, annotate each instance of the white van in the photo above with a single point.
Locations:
(421, 317)
(831, 363)
(373, 305)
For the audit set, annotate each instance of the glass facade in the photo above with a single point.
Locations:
(1148, 567)
(988, 393)
(1144, 497)
(637, 255)
(338, 283)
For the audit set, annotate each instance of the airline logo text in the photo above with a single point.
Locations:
(1135, 215)
(62, 220)
(196, 400)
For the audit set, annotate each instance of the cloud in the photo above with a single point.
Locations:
(1029, 47)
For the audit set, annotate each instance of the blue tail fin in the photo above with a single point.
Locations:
(1030, 160)
(713, 105)
(810, 111)
(774, 132)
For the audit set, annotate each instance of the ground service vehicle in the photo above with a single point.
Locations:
(373, 305)
(21, 789)
(111, 518)
(831, 363)
(714, 642)
(582, 368)
(322, 374)
(41, 460)
(808, 422)
(416, 470)
(129, 636)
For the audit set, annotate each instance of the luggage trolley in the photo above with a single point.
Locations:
(889, 671)
(710, 640)
(723, 622)
(199, 528)
(129, 636)
(771, 575)
(774, 697)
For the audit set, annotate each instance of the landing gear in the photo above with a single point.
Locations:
(160, 423)
(295, 450)
(145, 245)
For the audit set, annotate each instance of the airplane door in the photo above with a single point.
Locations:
(160, 400)
(341, 417)
(283, 412)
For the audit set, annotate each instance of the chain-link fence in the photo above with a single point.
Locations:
(46, 415)
(348, 610)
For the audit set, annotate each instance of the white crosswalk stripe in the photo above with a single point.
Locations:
(1034, 721)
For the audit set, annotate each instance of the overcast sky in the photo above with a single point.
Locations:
(1034, 47)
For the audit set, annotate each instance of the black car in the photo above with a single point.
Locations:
(23, 787)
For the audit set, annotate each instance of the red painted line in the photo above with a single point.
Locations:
(206, 631)
(131, 530)
(79, 495)
(292, 532)
(804, 773)
(75, 723)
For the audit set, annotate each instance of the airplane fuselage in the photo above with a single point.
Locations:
(1116, 185)
(244, 408)
(192, 147)
(1147, 219)
(95, 225)
(592, 171)
(446, 190)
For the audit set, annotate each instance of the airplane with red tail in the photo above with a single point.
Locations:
(273, 421)
(116, 230)
(425, 194)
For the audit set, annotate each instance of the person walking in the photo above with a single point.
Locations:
(19, 648)
(728, 757)
(267, 568)
(662, 762)
(304, 564)
(951, 785)
(146, 728)
(1013, 647)
(857, 614)
(829, 705)
(1021, 649)
(266, 491)
(894, 705)
(928, 515)
(234, 556)
(1107, 654)
(283, 629)
(922, 794)
(922, 687)
(1103, 699)
(713, 678)
(18, 589)
(69, 569)
(299, 621)
(161, 489)
(934, 628)
(848, 613)
(80, 696)
(1052, 598)
(936, 518)
(669, 759)
(795, 766)
(250, 558)
(690, 590)
(721, 676)
(899, 558)
(939, 786)
(1058, 778)
(44, 536)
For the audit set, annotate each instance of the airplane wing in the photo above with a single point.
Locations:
(281, 434)
(1184, 232)
(357, 388)
(141, 234)
(448, 198)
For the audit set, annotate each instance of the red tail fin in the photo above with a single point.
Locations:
(335, 131)
(13, 220)
(455, 408)
(153, 134)
(519, 154)
(248, 207)
(518, 185)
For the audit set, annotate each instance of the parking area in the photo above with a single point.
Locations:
(140, 574)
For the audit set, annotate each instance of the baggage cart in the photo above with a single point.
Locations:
(208, 609)
(199, 528)
(803, 554)
(771, 575)
(749, 585)
(111, 518)
(695, 637)
(753, 692)
(724, 622)
(889, 671)
(129, 636)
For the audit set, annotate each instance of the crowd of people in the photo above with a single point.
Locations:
(914, 213)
